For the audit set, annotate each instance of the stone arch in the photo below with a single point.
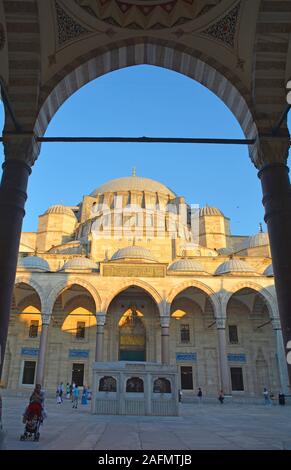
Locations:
(270, 300)
(137, 51)
(65, 284)
(150, 290)
(29, 301)
(77, 301)
(199, 285)
(35, 286)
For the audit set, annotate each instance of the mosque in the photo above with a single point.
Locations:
(134, 273)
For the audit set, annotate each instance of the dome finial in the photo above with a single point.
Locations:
(134, 171)
(260, 227)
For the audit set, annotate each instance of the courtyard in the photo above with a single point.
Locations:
(206, 426)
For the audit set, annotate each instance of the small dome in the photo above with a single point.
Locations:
(233, 265)
(186, 265)
(260, 239)
(59, 209)
(33, 263)
(79, 263)
(133, 252)
(210, 211)
(269, 271)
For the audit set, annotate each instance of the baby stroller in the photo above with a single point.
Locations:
(32, 419)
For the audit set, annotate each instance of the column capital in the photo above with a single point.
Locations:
(276, 324)
(21, 146)
(165, 321)
(46, 318)
(272, 150)
(100, 318)
(220, 323)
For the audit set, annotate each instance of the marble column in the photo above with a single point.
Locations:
(45, 319)
(282, 365)
(100, 319)
(277, 202)
(165, 339)
(19, 156)
(223, 362)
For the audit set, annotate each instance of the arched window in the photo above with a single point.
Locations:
(107, 384)
(134, 384)
(162, 385)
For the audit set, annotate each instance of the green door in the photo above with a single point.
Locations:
(127, 355)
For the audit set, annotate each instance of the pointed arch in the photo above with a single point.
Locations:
(225, 84)
(67, 283)
(199, 285)
(34, 285)
(268, 297)
(150, 290)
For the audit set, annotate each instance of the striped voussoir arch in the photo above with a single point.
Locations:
(270, 61)
(171, 56)
(22, 23)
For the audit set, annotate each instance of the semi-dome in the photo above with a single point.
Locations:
(133, 252)
(233, 266)
(33, 263)
(60, 209)
(186, 265)
(79, 263)
(260, 239)
(207, 210)
(133, 183)
(269, 271)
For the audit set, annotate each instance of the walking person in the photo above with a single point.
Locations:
(199, 395)
(59, 395)
(84, 396)
(68, 392)
(267, 400)
(281, 398)
(61, 391)
(75, 397)
(71, 392)
(221, 397)
(73, 385)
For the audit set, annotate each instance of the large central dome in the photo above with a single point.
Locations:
(133, 183)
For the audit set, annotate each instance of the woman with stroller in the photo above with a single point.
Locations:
(34, 414)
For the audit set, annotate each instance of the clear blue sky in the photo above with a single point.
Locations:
(148, 101)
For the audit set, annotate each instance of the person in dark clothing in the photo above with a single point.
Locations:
(221, 397)
(199, 394)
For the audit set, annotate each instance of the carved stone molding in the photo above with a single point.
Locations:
(272, 150)
(67, 28)
(100, 318)
(220, 323)
(276, 324)
(22, 147)
(147, 14)
(165, 322)
(224, 30)
(45, 319)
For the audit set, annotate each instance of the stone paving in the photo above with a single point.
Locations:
(205, 426)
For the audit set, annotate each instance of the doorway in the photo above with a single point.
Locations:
(186, 378)
(78, 374)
